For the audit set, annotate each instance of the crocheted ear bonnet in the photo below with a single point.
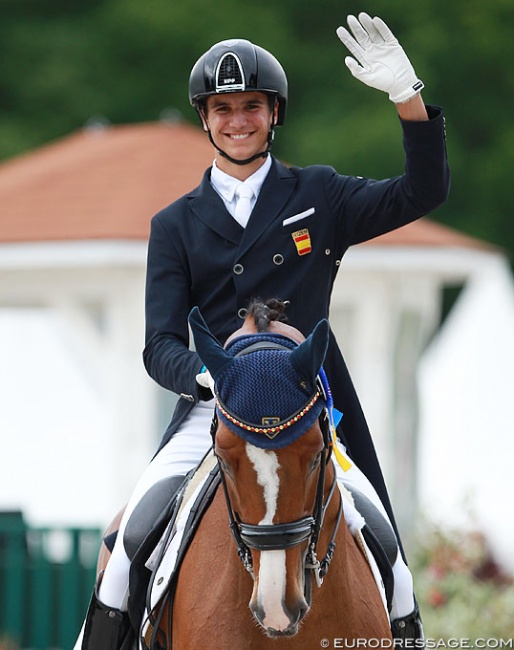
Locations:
(265, 384)
(262, 396)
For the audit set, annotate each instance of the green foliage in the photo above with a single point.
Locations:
(63, 62)
(462, 593)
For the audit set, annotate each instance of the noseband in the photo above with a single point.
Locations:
(273, 537)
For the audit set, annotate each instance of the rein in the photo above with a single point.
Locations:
(268, 537)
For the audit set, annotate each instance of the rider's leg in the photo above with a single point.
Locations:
(181, 454)
(404, 612)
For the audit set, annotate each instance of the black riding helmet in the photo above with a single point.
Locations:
(238, 65)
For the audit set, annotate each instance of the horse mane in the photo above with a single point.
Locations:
(265, 312)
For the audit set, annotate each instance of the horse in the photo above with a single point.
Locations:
(272, 563)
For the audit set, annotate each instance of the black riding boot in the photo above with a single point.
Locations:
(408, 627)
(106, 628)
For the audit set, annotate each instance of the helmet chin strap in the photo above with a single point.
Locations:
(246, 161)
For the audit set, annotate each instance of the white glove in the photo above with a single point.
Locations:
(205, 379)
(383, 62)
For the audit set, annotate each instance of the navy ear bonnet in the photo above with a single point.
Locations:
(261, 395)
(266, 384)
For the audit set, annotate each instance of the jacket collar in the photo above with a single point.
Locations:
(208, 206)
(226, 185)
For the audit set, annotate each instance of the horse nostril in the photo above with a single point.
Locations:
(299, 612)
(302, 610)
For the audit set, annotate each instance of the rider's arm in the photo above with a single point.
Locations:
(167, 357)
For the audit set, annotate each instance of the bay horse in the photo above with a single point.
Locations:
(261, 581)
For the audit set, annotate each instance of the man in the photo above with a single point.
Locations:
(281, 234)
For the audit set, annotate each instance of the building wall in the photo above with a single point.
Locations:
(77, 425)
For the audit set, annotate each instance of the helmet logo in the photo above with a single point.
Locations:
(229, 74)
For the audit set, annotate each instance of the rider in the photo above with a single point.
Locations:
(202, 252)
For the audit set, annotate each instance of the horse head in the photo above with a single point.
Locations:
(273, 457)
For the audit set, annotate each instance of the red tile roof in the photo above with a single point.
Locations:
(100, 184)
(107, 183)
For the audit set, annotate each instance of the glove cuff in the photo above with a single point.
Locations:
(408, 93)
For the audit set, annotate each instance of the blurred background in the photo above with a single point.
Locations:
(96, 135)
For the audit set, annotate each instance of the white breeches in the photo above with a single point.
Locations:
(182, 453)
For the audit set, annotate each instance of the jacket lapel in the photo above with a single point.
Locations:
(208, 206)
(275, 193)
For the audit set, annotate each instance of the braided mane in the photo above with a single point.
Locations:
(265, 312)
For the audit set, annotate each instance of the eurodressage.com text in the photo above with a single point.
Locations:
(414, 644)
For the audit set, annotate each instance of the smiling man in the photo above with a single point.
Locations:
(239, 126)
(282, 233)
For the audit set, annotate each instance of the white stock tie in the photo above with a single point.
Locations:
(244, 194)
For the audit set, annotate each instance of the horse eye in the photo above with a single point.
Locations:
(316, 461)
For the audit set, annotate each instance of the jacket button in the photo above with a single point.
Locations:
(242, 313)
(278, 259)
(238, 269)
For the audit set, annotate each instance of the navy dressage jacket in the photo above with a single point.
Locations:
(302, 224)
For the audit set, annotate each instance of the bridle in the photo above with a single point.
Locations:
(271, 537)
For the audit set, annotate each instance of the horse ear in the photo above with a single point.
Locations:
(211, 352)
(308, 357)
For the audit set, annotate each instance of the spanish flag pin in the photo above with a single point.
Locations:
(302, 241)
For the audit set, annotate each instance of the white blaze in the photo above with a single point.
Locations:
(272, 570)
